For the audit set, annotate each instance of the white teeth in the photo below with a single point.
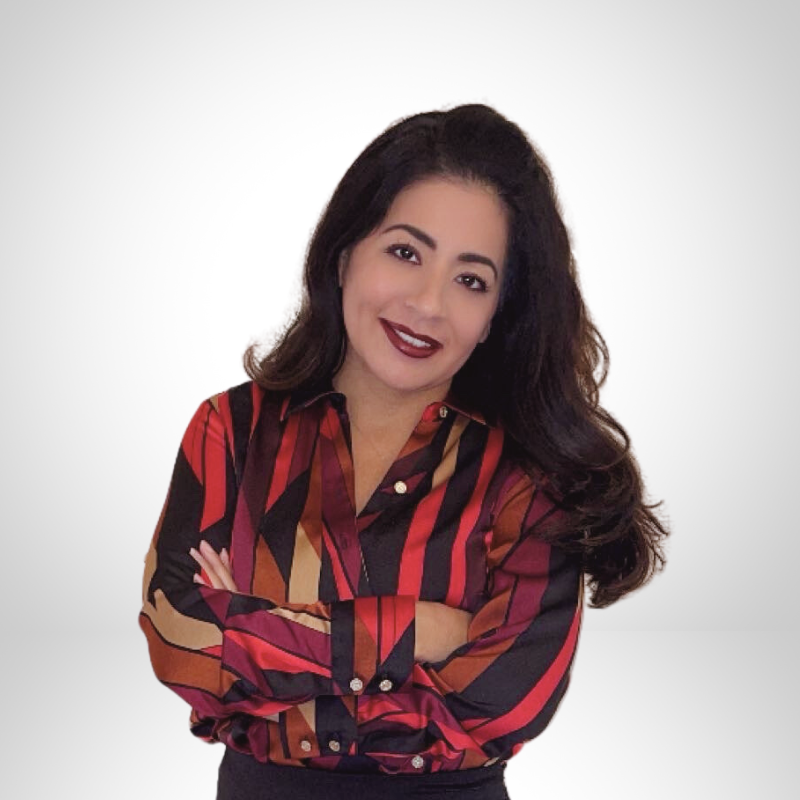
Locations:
(412, 340)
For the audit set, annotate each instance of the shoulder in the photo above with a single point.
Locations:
(240, 408)
(248, 392)
(522, 536)
(526, 500)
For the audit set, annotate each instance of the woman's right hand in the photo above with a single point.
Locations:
(215, 570)
(440, 629)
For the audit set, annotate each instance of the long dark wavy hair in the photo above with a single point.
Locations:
(539, 372)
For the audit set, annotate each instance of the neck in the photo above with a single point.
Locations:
(373, 405)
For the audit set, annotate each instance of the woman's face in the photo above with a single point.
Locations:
(419, 292)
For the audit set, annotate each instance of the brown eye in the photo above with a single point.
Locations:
(473, 283)
(404, 252)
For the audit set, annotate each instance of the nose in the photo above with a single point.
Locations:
(427, 296)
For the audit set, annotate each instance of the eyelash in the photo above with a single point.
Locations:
(392, 250)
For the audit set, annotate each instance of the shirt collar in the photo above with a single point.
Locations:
(304, 398)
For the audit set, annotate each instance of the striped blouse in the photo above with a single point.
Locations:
(311, 663)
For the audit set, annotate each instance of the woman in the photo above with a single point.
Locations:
(368, 574)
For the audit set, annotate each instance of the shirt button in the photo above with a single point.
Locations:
(417, 762)
(443, 411)
(400, 487)
(356, 684)
(334, 745)
(305, 746)
(385, 685)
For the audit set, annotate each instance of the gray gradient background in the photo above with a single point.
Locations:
(162, 165)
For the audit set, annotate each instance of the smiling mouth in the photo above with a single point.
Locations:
(409, 342)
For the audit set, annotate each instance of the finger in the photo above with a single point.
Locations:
(219, 576)
(225, 558)
(207, 571)
(219, 567)
(212, 558)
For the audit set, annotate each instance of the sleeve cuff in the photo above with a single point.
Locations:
(372, 644)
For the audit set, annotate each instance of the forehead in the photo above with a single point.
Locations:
(463, 215)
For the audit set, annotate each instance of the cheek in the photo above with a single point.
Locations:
(473, 321)
(369, 291)
(362, 303)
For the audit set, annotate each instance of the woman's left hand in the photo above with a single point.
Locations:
(440, 629)
(215, 570)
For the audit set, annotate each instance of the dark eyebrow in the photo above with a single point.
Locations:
(469, 258)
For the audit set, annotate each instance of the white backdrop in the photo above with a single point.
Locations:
(162, 165)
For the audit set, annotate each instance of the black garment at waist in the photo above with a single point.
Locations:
(241, 777)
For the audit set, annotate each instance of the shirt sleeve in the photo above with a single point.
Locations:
(226, 652)
(502, 688)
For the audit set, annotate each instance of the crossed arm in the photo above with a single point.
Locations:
(499, 675)
(440, 629)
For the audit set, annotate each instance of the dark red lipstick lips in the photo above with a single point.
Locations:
(407, 348)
